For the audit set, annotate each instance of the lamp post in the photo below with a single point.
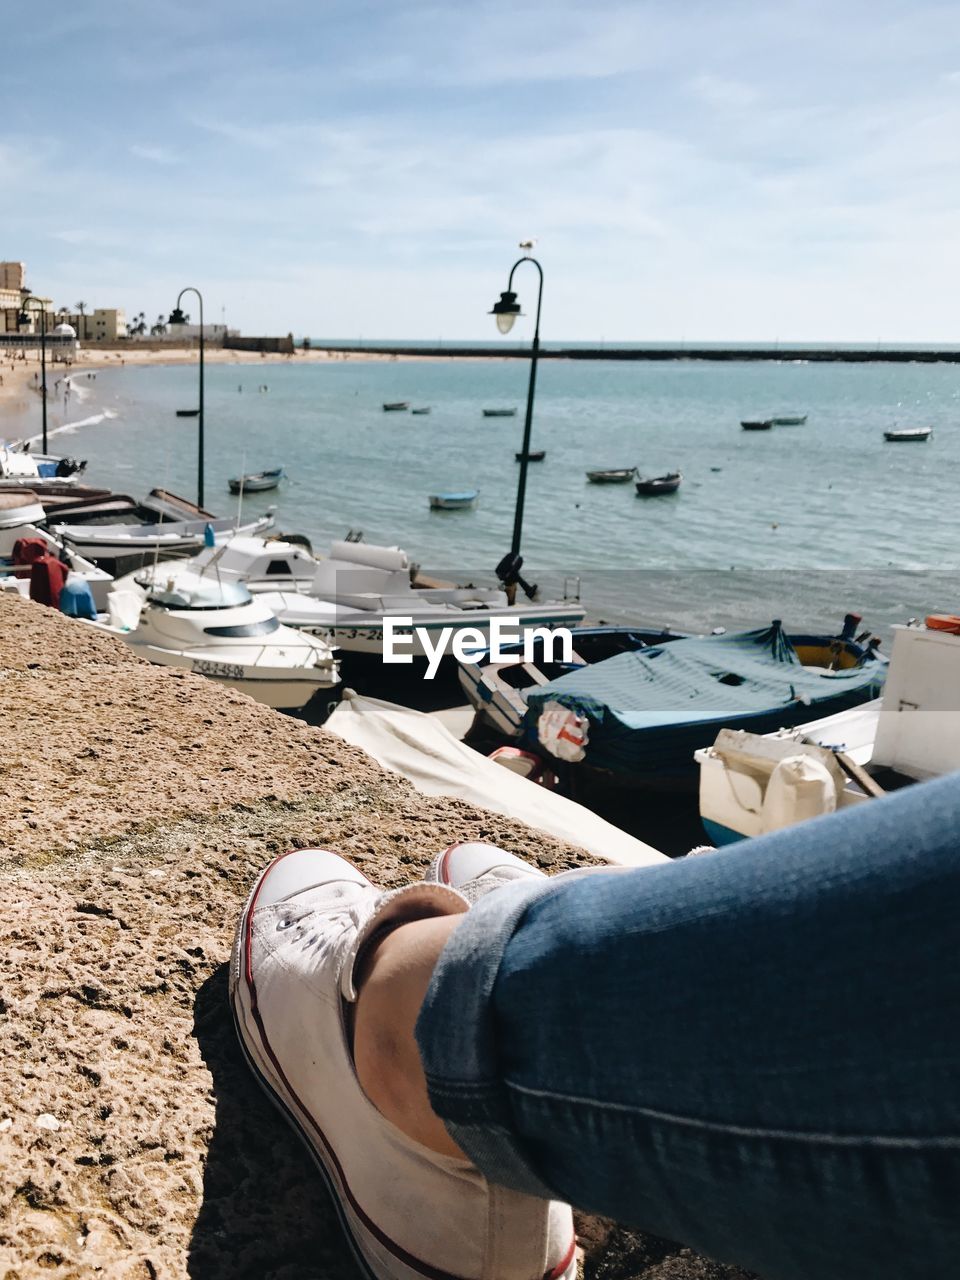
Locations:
(506, 311)
(24, 318)
(177, 317)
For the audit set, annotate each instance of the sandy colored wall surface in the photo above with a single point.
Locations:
(137, 805)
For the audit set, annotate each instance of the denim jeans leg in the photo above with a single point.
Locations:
(756, 1052)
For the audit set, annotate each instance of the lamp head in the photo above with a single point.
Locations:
(506, 311)
(177, 317)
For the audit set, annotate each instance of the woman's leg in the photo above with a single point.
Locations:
(756, 1053)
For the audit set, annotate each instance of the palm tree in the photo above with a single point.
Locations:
(81, 308)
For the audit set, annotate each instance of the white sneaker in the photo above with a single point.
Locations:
(474, 869)
(409, 1213)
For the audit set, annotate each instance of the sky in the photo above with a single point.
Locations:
(716, 171)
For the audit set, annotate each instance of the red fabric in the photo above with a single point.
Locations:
(28, 550)
(47, 576)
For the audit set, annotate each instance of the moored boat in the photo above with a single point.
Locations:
(638, 717)
(535, 455)
(188, 413)
(757, 424)
(499, 413)
(424, 408)
(789, 420)
(909, 434)
(396, 406)
(613, 475)
(458, 501)
(257, 481)
(668, 483)
(178, 618)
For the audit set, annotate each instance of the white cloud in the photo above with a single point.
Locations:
(156, 155)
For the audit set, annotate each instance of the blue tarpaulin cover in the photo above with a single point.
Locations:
(649, 710)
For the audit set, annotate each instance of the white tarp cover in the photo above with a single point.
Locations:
(423, 750)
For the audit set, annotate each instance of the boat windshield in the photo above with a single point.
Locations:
(200, 593)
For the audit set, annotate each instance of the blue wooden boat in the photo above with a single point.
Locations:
(498, 690)
(454, 501)
(638, 717)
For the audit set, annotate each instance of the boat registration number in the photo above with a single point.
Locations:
(229, 670)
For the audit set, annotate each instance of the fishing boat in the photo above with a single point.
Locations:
(669, 483)
(499, 413)
(907, 434)
(120, 547)
(615, 475)
(757, 424)
(535, 455)
(346, 596)
(257, 482)
(395, 406)
(454, 501)
(178, 618)
(498, 690)
(639, 717)
(752, 784)
(790, 420)
(19, 466)
(188, 413)
(422, 410)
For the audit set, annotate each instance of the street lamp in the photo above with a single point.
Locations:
(24, 319)
(506, 311)
(177, 317)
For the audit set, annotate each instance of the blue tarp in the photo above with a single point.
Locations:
(649, 710)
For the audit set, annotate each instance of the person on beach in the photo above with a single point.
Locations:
(755, 1052)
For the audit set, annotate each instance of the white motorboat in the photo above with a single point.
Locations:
(167, 538)
(19, 466)
(346, 597)
(21, 518)
(752, 784)
(177, 618)
(463, 500)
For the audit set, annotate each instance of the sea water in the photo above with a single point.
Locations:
(802, 523)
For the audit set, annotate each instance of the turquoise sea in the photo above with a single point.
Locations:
(799, 522)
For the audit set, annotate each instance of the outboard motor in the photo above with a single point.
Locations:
(850, 623)
(508, 571)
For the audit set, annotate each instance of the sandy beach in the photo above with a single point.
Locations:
(133, 1141)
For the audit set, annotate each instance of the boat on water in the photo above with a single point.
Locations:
(457, 501)
(638, 718)
(653, 485)
(175, 617)
(757, 424)
(497, 690)
(751, 784)
(535, 455)
(423, 409)
(347, 596)
(790, 420)
(909, 434)
(499, 413)
(613, 475)
(188, 413)
(396, 406)
(257, 481)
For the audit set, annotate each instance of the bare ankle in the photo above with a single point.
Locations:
(392, 984)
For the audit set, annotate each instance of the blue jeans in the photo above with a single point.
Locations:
(755, 1052)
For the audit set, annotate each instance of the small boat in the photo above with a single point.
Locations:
(638, 717)
(757, 424)
(188, 413)
(616, 475)
(499, 413)
(454, 501)
(176, 617)
(257, 482)
(668, 483)
(423, 409)
(790, 420)
(535, 455)
(909, 433)
(393, 406)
